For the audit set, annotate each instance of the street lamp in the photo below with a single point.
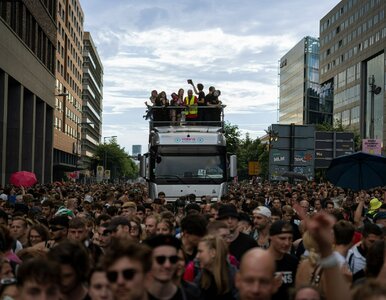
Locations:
(374, 90)
(273, 136)
(104, 142)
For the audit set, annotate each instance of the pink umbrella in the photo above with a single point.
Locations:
(23, 178)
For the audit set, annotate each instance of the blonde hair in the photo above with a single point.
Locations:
(220, 265)
(312, 247)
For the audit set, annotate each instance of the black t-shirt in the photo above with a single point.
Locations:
(179, 295)
(201, 95)
(210, 98)
(287, 266)
(241, 245)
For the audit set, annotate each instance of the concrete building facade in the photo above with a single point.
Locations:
(352, 58)
(92, 96)
(27, 83)
(68, 99)
(299, 86)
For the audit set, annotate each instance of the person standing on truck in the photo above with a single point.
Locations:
(199, 91)
(160, 113)
(191, 102)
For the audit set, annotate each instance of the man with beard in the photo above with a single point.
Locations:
(58, 229)
(262, 222)
(126, 264)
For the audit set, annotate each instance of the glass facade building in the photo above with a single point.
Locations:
(352, 50)
(301, 101)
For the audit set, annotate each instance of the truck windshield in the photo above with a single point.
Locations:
(189, 169)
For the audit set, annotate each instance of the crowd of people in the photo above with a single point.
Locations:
(195, 108)
(260, 241)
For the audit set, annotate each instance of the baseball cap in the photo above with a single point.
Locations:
(245, 217)
(61, 220)
(280, 227)
(88, 199)
(264, 211)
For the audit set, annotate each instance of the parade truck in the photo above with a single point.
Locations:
(187, 158)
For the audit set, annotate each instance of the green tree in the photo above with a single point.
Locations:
(246, 149)
(232, 136)
(115, 159)
(249, 150)
(264, 161)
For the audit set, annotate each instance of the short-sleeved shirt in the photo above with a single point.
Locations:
(287, 266)
(241, 245)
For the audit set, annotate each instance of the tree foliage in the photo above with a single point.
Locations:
(232, 135)
(246, 149)
(115, 159)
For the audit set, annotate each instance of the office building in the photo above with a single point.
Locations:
(68, 99)
(92, 96)
(136, 150)
(27, 83)
(299, 100)
(353, 65)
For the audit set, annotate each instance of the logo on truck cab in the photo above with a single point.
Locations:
(189, 140)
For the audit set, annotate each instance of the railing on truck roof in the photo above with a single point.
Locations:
(161, 116)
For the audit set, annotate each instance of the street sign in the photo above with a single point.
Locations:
(331, 144)
(100, 172)
(253, 168)
(292, 151)
(372, 146)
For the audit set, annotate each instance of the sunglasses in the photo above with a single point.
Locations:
(128, 274)
(162, 259)
(8, 281)
(56, 228)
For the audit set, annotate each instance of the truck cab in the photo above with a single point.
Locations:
(187, 158)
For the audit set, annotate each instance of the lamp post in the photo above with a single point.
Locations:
(273, 136)
(374, 90)
(104, 142)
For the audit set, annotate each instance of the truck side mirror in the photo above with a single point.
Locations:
(233, 166)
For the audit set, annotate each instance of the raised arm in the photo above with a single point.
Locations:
(320, 227)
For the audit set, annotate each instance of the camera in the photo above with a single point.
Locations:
(190, 81)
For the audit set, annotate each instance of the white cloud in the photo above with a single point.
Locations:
(158, 44)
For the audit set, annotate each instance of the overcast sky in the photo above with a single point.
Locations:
(234, 45)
